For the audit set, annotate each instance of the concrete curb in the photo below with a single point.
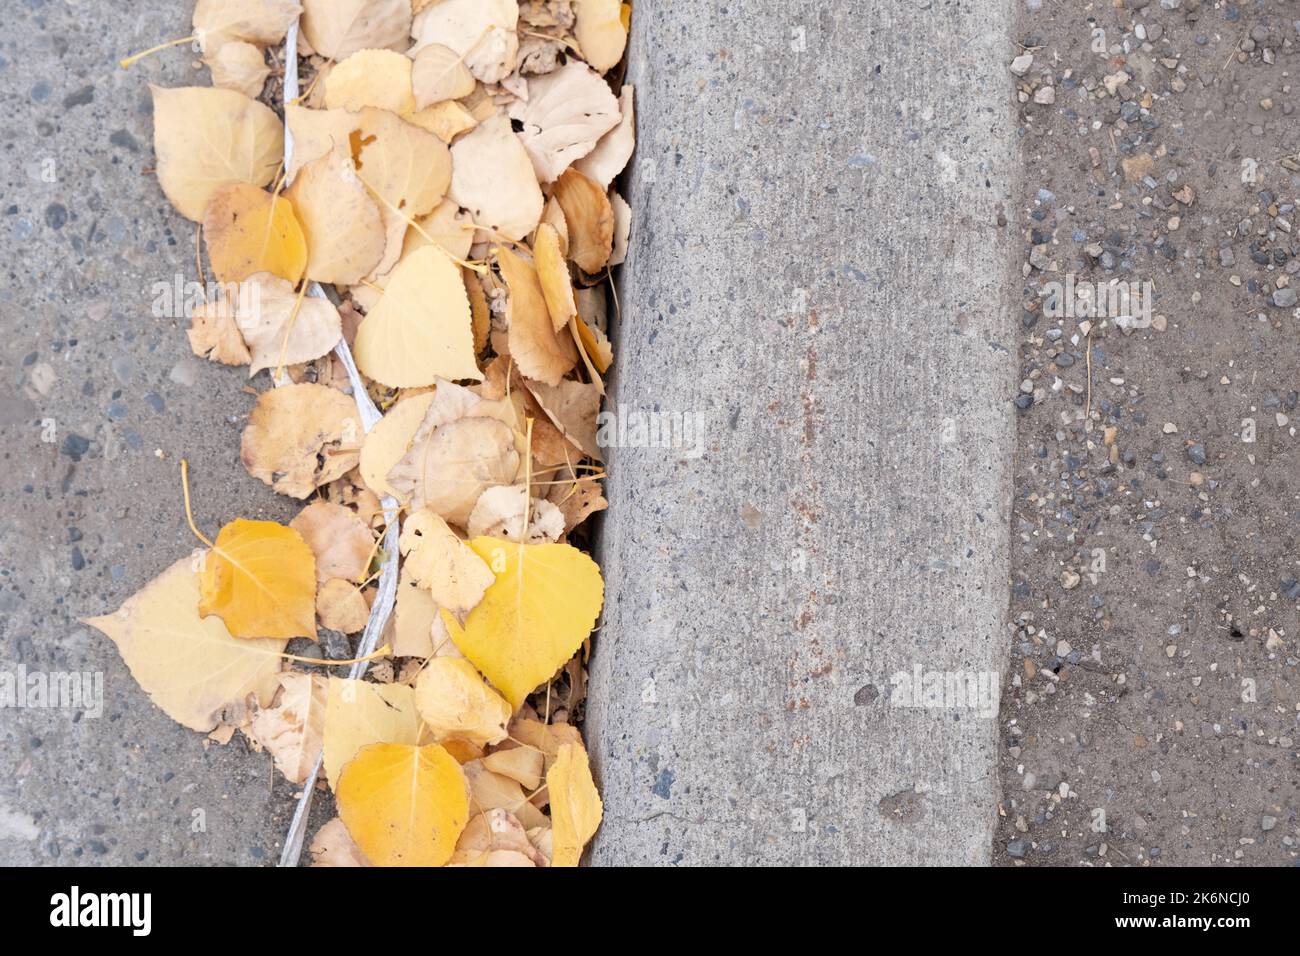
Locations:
(817, 277)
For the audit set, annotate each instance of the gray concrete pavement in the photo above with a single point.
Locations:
(817, 268)
(91, 516)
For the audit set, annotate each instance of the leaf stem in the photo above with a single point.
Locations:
(189, 515)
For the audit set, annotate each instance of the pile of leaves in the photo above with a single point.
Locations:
(446, 218)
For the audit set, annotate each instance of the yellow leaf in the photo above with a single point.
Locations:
(378, 78)
(260, 578)
(406, 165)
(387, 442)
(597, 347)
(600, 32)
(534, 345)
(455, 702)
(575, 805)
(206, 139)
(420, 331)
(553, 272)
(344, 229)
(534, 617)
(190, 666)
(404, 805)
(316, 133)
(359, 713)
(248, 230)
(439, 74)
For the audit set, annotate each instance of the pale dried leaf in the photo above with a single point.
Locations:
(567, 112)
(611, 154)
(339, 28)
(264, 318)
(483, 31)
(493, 178)
(292, 730)
(345, 233)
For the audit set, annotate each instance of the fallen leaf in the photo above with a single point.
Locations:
(248, 230)
(260, 578)
(446, 120)
(439, 561)
(534, 345)
(292, 729)
(240, 67)
(214, 335)
(338, 28)
(342, 607)
(534, 617)
(615, 148)
(596, 344)
(334, 846)
(282, 327)
(577, 500)
(567, 112)
(206, 139)
(493, 178)
(300, 437)
(359, 713)
(456, 703)
(482, 31)
(439, 74)
(410, 168)
(573, 407)
(521, 764)
(546, 739)
(590, 219)
(462, 448)
(190, 666)
(404, 805)
(317, 133)
(340, 541)
(553, 273)
(495, 832)
(386, 443)
(414, 619)
(622, 228)
(260, 22)
(576, 809)
(377, 78)
(491, 791)
(420, 330)
(345, 233)
(480, 314)
(600, 32)
(499, 513)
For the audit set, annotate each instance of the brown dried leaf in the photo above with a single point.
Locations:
(590, 219)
